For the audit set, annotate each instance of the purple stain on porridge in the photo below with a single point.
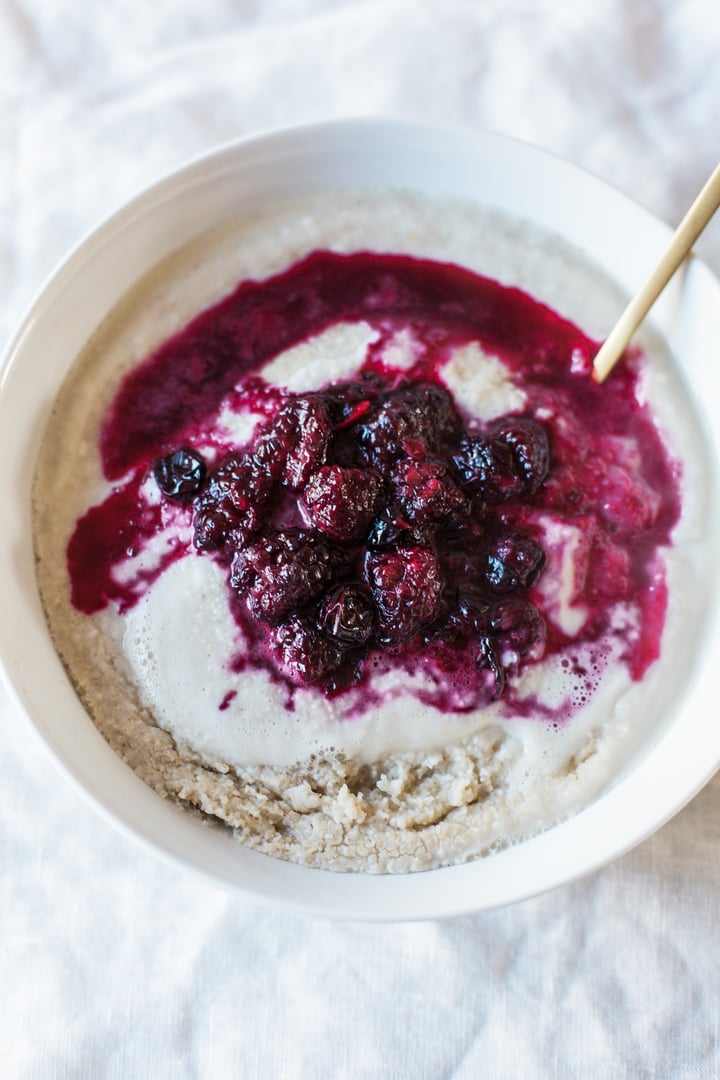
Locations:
(416, 535)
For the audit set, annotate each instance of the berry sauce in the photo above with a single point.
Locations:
(371, 525)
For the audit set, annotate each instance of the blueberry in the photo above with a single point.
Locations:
(488, 469)
(517, 625)
(180, 475)
(391, 529)
(347, 615)
(491, 670)
(512, 562)
(509, 462)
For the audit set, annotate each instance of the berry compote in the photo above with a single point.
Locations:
(372, 523)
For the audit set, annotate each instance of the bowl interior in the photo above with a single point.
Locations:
(621, 238)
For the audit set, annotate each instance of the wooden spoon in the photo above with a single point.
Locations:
(683, 239)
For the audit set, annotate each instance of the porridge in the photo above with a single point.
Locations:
(343, 548)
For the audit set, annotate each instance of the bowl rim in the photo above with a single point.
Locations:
(409, 902)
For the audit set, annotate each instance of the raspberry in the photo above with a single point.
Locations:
(284, 572)
(347, 615)
(406, 585)
(297, 441)
(427, 492)
(423, 412)
(627, 503)
(342, 502)
(305, 651)
(230, 509)
(610, 571)
(180, 475)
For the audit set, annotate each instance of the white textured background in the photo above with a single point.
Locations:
(115, 967)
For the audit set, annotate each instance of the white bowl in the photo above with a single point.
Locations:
(618, 235)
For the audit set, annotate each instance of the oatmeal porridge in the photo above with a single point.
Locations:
(343, 548)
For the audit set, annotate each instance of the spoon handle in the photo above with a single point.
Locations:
(683, 239)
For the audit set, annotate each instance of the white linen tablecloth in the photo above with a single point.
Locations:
(114, 966)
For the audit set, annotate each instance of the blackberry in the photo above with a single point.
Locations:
(460, 544)
(308, 654)
(406, 585)
(230, 509)
(297, 441)
(284, 572)
(342, 502)
(427, 492)
(422, 413)
(529, 443)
